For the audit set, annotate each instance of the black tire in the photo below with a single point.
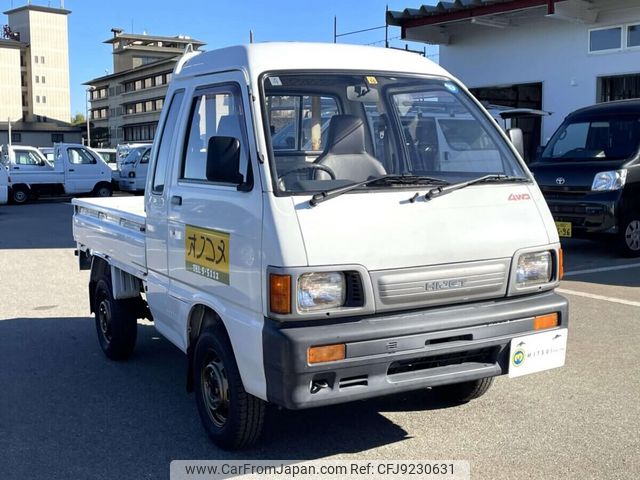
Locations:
(464, 392)
(102, 190)
(19, 195)
(629, 236)
(116, 322)
(232, 418)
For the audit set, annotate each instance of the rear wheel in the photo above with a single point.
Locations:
(464, 392)
(629, 236)
(232, 418)
(19, 195)
(116, 322)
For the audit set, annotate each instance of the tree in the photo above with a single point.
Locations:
(78, 119)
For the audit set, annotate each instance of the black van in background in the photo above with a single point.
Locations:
(589, 173)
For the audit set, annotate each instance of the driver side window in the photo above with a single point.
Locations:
(78, 156)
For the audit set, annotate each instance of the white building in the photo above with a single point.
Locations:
(548, 54)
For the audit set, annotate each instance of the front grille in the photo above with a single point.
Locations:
(440, 284)
(570, 209)
(482, 355)
(553, 191)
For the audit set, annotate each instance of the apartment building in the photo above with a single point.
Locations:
(126, 105)
(34, 76)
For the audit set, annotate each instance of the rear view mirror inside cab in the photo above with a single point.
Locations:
(223, 160)
(362, 93)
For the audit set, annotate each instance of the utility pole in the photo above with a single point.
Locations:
(9, 122)
(335, 29)
(89, 89)
(386, 27)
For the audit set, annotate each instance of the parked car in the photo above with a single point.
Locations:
(77, 170)
(369, 275)
(110, 156)
(589, 174)
(133, 170)
(123, 149)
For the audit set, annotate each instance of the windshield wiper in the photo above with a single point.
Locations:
(439, 191)
(384, 180)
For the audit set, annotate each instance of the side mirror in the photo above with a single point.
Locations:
(223, 160)
(517, 139)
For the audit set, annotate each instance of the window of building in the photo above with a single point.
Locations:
(16, 137)
(44, 99)
(603, 39)
(37, 98)
(159, 80)
(138, 85)
(57, 137)
(35, 59)
(138, 108)
(142, 132)
(37, 79)
(148, 82)
(619, 87)
(167, 77)
(159, 103)
(148, 106)
(41, 59)
(633, 36)
(44, 118)
(43, 79)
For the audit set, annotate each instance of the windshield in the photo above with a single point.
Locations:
(331, 130)
(605, 138)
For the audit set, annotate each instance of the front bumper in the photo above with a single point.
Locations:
(395, 353)
(591, 214)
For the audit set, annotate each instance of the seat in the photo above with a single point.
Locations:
(345, 152)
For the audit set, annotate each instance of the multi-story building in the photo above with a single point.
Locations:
(126, 105)
(34, 76)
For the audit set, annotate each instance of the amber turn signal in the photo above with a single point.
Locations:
(543, 322)
(280, 293)
(326, 353)
(560, 264)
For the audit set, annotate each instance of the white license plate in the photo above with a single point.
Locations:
(537, 352)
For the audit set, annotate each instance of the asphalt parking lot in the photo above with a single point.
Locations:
(68, 412)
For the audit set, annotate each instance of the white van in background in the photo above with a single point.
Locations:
(76, 170)
(133, 169)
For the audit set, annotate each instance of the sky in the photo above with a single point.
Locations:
(218, 23)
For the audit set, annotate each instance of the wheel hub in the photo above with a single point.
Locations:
(104, 319)
(215, 390)
(632, 235)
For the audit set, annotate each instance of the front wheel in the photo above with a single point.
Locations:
(464, 392)
(19, 195)
(103, 191)
(629, 236)
(232, 418)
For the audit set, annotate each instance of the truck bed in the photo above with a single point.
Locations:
(114, 228)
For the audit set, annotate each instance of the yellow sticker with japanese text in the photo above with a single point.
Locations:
(206, 253)
(372, 80)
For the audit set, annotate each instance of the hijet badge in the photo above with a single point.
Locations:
(207, 253)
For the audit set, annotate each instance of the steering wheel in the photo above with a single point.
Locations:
(310, 166)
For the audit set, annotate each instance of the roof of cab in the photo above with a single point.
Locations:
(609, 108)
(257, 58)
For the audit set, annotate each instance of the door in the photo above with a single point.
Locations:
(156, 208)
(215, 218)
(83, 171)
(141, 170)
(28, 161)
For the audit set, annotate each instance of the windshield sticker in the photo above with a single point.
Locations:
(275, 81)
(372, 80)
(451, 87)
(206, 253)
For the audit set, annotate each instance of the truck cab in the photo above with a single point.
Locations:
(4, 184)
(133, 169)
(358, 259)
(76, 169)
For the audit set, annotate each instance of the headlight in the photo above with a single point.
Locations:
(321, 291)
(606, 181)
(534, 269)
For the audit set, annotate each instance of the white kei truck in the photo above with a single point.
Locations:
(335, 267)
(75, 170)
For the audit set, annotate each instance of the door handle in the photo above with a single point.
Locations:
(176, 200)
(72, 170)
(16, 168)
